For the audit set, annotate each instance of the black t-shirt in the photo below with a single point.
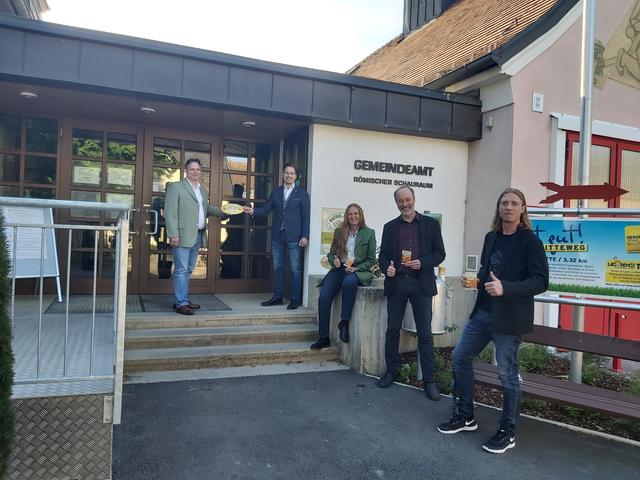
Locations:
(503, 244)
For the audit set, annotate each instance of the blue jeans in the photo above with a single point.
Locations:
(184, 261)
(278, 248)
(477, 334)
(335, 281)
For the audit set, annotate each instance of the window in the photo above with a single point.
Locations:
(28, 156)
(612, 161)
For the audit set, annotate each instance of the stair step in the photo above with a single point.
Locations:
(223, 356)
(162, 376)
(139, 321)
(204, 336)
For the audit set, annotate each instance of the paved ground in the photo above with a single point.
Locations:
(335, 425)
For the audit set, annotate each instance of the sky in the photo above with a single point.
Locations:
(325, 34)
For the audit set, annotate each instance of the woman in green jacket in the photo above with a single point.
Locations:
(352, 254)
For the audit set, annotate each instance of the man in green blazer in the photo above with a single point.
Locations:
(186, 207)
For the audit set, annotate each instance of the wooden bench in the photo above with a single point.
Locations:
(579, 395)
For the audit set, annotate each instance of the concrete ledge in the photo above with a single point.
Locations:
(365, 351)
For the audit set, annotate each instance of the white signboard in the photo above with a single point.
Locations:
(32, 247)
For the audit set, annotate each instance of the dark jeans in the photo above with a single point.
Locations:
(477, 334)
(335, 281)
(410, 289)
(278, 248)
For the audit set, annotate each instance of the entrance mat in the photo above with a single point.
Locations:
(164, 303)
(135, 304)
(83, 304)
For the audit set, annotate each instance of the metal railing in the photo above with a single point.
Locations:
(113, 348)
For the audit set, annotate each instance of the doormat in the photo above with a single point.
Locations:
(135, 304)
(164, 303)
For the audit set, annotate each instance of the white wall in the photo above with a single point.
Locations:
(332, 151)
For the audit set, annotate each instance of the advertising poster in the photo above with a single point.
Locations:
(331, 219)
(593, 256)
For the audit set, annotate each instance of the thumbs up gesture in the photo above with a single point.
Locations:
(391, 270)
(494, 286)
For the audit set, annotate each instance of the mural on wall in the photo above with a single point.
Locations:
(619, 59)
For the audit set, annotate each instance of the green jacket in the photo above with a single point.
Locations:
(181, 211)
(365, 252)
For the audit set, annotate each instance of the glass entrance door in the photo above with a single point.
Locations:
(102, 164)
(165, 154)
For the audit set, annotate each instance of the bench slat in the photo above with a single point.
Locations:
(585, 396)
(585, 342)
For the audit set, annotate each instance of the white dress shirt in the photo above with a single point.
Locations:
(198, 194)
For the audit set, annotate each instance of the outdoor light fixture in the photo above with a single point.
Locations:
(29, 95)
(249, 124)
(147, 110)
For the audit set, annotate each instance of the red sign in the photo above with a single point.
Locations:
(606, 191)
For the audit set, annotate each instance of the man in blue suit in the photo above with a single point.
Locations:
(289, 232)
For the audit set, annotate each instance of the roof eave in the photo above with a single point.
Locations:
(508, 50)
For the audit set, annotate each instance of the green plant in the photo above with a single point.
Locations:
(443, 375)
(486, 355)
(407, 372)
(534, 357)
(591, 373)
(572, 411)
(533, 403)
(7, 420)
(633, 383)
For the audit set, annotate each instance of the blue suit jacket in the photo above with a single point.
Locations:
(295, 214)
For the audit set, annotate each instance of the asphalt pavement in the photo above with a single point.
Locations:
(335, 425)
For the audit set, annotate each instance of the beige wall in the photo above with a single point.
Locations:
(556, 74)
(489, 173)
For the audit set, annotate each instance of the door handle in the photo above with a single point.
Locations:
(155, 221)
(131, 212)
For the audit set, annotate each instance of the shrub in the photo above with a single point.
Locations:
(534, 357)
(443, 376)
(486, 355)
(407, 372)
(7, 419)
(633, 385)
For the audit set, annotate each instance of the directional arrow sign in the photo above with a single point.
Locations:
(606, 191)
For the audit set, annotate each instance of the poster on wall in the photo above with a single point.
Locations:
(592, 256)
(331, 219)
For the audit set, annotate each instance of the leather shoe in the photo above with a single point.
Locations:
(386, 380)
(192, 306)
(185, 310)
(344, 332)
(431, 391)
(293, 305)
(272, 301)
(322, 342)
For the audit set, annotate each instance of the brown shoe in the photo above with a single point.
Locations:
(185, 310)
(192, 306)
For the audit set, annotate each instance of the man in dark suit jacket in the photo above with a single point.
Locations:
(289, 232)
(411, 247)
(513, 269)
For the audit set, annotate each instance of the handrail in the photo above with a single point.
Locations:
(121, 229)
(48, 203)
(583, 211)
(577, 300)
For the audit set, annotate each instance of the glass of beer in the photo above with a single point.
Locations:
(470, 280)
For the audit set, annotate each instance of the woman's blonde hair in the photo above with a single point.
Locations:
(341, 234)
(496, 225)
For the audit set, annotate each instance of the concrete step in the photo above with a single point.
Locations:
(154, 359)
(233, 372)
(204, 336)
(278, 316)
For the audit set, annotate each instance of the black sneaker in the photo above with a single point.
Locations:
(500, 442)
(458, 423)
